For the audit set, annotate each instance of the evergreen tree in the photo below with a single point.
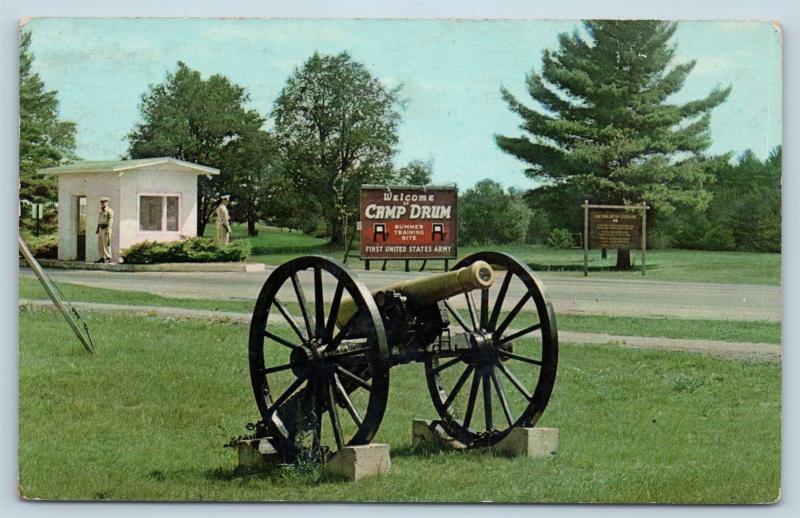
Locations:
(747, 202)
(206, 121)
(415, 172)
(44, 139)
(605, 125)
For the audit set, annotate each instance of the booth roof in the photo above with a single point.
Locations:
(116, 166)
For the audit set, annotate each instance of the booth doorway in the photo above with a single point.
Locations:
(80, 225)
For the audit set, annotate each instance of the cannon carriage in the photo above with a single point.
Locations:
(320, 366)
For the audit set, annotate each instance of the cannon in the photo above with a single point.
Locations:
(319, 364)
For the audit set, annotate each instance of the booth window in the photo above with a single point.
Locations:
(158, 213)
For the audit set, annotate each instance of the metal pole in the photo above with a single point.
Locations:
(366, 264)
(586, 238)
(644, 235)
(48, 286)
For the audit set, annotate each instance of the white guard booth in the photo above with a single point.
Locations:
(153, 199)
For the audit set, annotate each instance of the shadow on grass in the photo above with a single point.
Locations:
(279, 473)
(426, 450)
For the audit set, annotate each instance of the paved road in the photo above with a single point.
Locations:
(569, 295)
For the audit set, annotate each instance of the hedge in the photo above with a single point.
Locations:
(194, 250)
(42, 247)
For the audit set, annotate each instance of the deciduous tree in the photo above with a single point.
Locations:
(337, 128)
(489, 215)
(205, 121)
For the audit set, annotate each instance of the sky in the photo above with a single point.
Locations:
(451, 72)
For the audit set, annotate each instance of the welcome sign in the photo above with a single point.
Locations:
(402, 222)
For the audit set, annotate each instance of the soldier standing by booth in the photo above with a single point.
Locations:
(223, 220)
(103, 231)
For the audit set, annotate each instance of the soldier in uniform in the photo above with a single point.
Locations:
(103, 231)
(223, 220)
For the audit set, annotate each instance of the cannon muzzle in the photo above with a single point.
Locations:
(429, 290)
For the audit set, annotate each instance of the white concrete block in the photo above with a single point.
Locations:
(357, 462)
(535, 443)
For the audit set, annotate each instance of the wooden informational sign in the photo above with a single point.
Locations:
(611, 228)
(402, 222)
(614, 226)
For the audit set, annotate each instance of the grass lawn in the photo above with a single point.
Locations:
(273, 246)
(726, 330)
(146, 418)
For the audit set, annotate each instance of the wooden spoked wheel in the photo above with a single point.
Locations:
(318, 386)
(505, 378)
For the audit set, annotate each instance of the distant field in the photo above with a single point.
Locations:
(146, 418)
(273, 246)
(726, 330)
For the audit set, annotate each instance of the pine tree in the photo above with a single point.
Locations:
(605, 124)
(44, 139)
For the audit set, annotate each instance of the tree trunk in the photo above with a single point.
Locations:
(201, 227)
(337, 238)
(604, 253)
(623, 259)
(252, 231)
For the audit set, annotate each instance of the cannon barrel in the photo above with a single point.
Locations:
(431, 289)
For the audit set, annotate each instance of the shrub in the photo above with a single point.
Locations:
(194, 250)
(560, 238)
(43, 247)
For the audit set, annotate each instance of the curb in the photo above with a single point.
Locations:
(162, 267)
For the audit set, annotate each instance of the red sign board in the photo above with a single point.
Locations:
(408, 222)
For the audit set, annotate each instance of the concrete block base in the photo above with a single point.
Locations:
(535, 443)
(257, 454)
(357, 462)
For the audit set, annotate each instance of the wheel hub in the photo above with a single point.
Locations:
(307, 360)
(482, 350)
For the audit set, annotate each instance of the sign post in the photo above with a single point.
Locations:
(586, 238)
(614, 226)
(408, 222)
(37, 210)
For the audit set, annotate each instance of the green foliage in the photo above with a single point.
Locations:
(206, 121)
(44, 246)
(194, 250)
(560, 238)
(489, 215)
(415, 172)
(539, 227)
(337, 128)
(744, 213)
(604, 126)
(44, 139)
(47, 225)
